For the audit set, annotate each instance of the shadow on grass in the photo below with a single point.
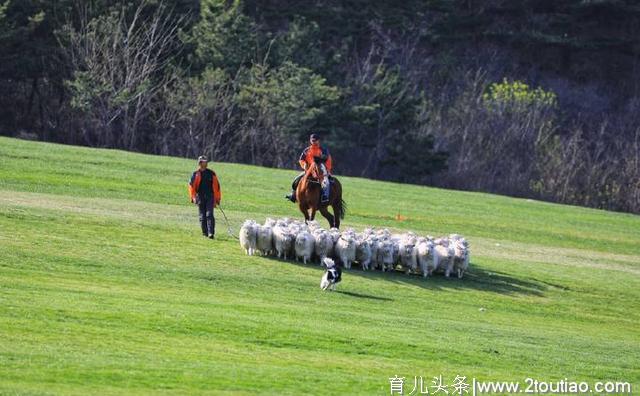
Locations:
(476, 278)
(358, 295)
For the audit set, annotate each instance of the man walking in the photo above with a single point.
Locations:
(204, 191)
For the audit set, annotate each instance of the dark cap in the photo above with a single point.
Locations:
(314, 136)
(202, 158)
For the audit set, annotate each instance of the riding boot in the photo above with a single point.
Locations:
(291, 197)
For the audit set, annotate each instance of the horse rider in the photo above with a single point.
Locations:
(306, 159)
(204, 191)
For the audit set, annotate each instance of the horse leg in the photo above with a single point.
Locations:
(336, 216)
(313, 213)
(327, 215)
(305, 212)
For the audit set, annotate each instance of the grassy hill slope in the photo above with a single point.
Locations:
(106, 286)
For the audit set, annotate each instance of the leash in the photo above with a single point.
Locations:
(226, 220)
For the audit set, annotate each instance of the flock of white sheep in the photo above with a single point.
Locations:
(371, 249)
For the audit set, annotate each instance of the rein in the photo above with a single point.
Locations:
(310, 177)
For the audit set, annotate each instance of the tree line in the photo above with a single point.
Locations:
(528, 98)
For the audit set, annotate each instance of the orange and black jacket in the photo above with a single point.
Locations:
(306, 158)
(209, 188)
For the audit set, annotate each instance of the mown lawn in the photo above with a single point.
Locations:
(106, 287)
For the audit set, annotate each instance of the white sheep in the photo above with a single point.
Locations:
(248, 236)
(363, 253)
(460, 256)
(372, 248)
(304, 246)
(408, 255)
(323, 245)
(395, 243)
(346, 249)
(373, 242)
(335, 234)
(443, 253)
(385, 254)
(264, 239)
(313, 225)
(426, 259)
(283, 241)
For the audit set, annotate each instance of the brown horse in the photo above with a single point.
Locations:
(309, 192)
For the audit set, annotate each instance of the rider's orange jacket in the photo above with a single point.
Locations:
(315, 150)
(194, 186)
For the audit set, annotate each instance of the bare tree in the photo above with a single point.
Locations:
(198, 115)
(119, 61)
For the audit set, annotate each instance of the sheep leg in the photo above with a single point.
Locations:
(447, 272)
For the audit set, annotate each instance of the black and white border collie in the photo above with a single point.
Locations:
(332, 276)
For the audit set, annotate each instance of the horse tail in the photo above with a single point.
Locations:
(340, 206)
(341, 209)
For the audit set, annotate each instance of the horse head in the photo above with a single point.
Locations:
(320, 167)
(317, 169)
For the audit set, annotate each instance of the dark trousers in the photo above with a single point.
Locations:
(207, 221)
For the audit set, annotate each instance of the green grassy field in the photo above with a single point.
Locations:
(107, 287)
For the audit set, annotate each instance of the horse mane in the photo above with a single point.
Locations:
(310, 169)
